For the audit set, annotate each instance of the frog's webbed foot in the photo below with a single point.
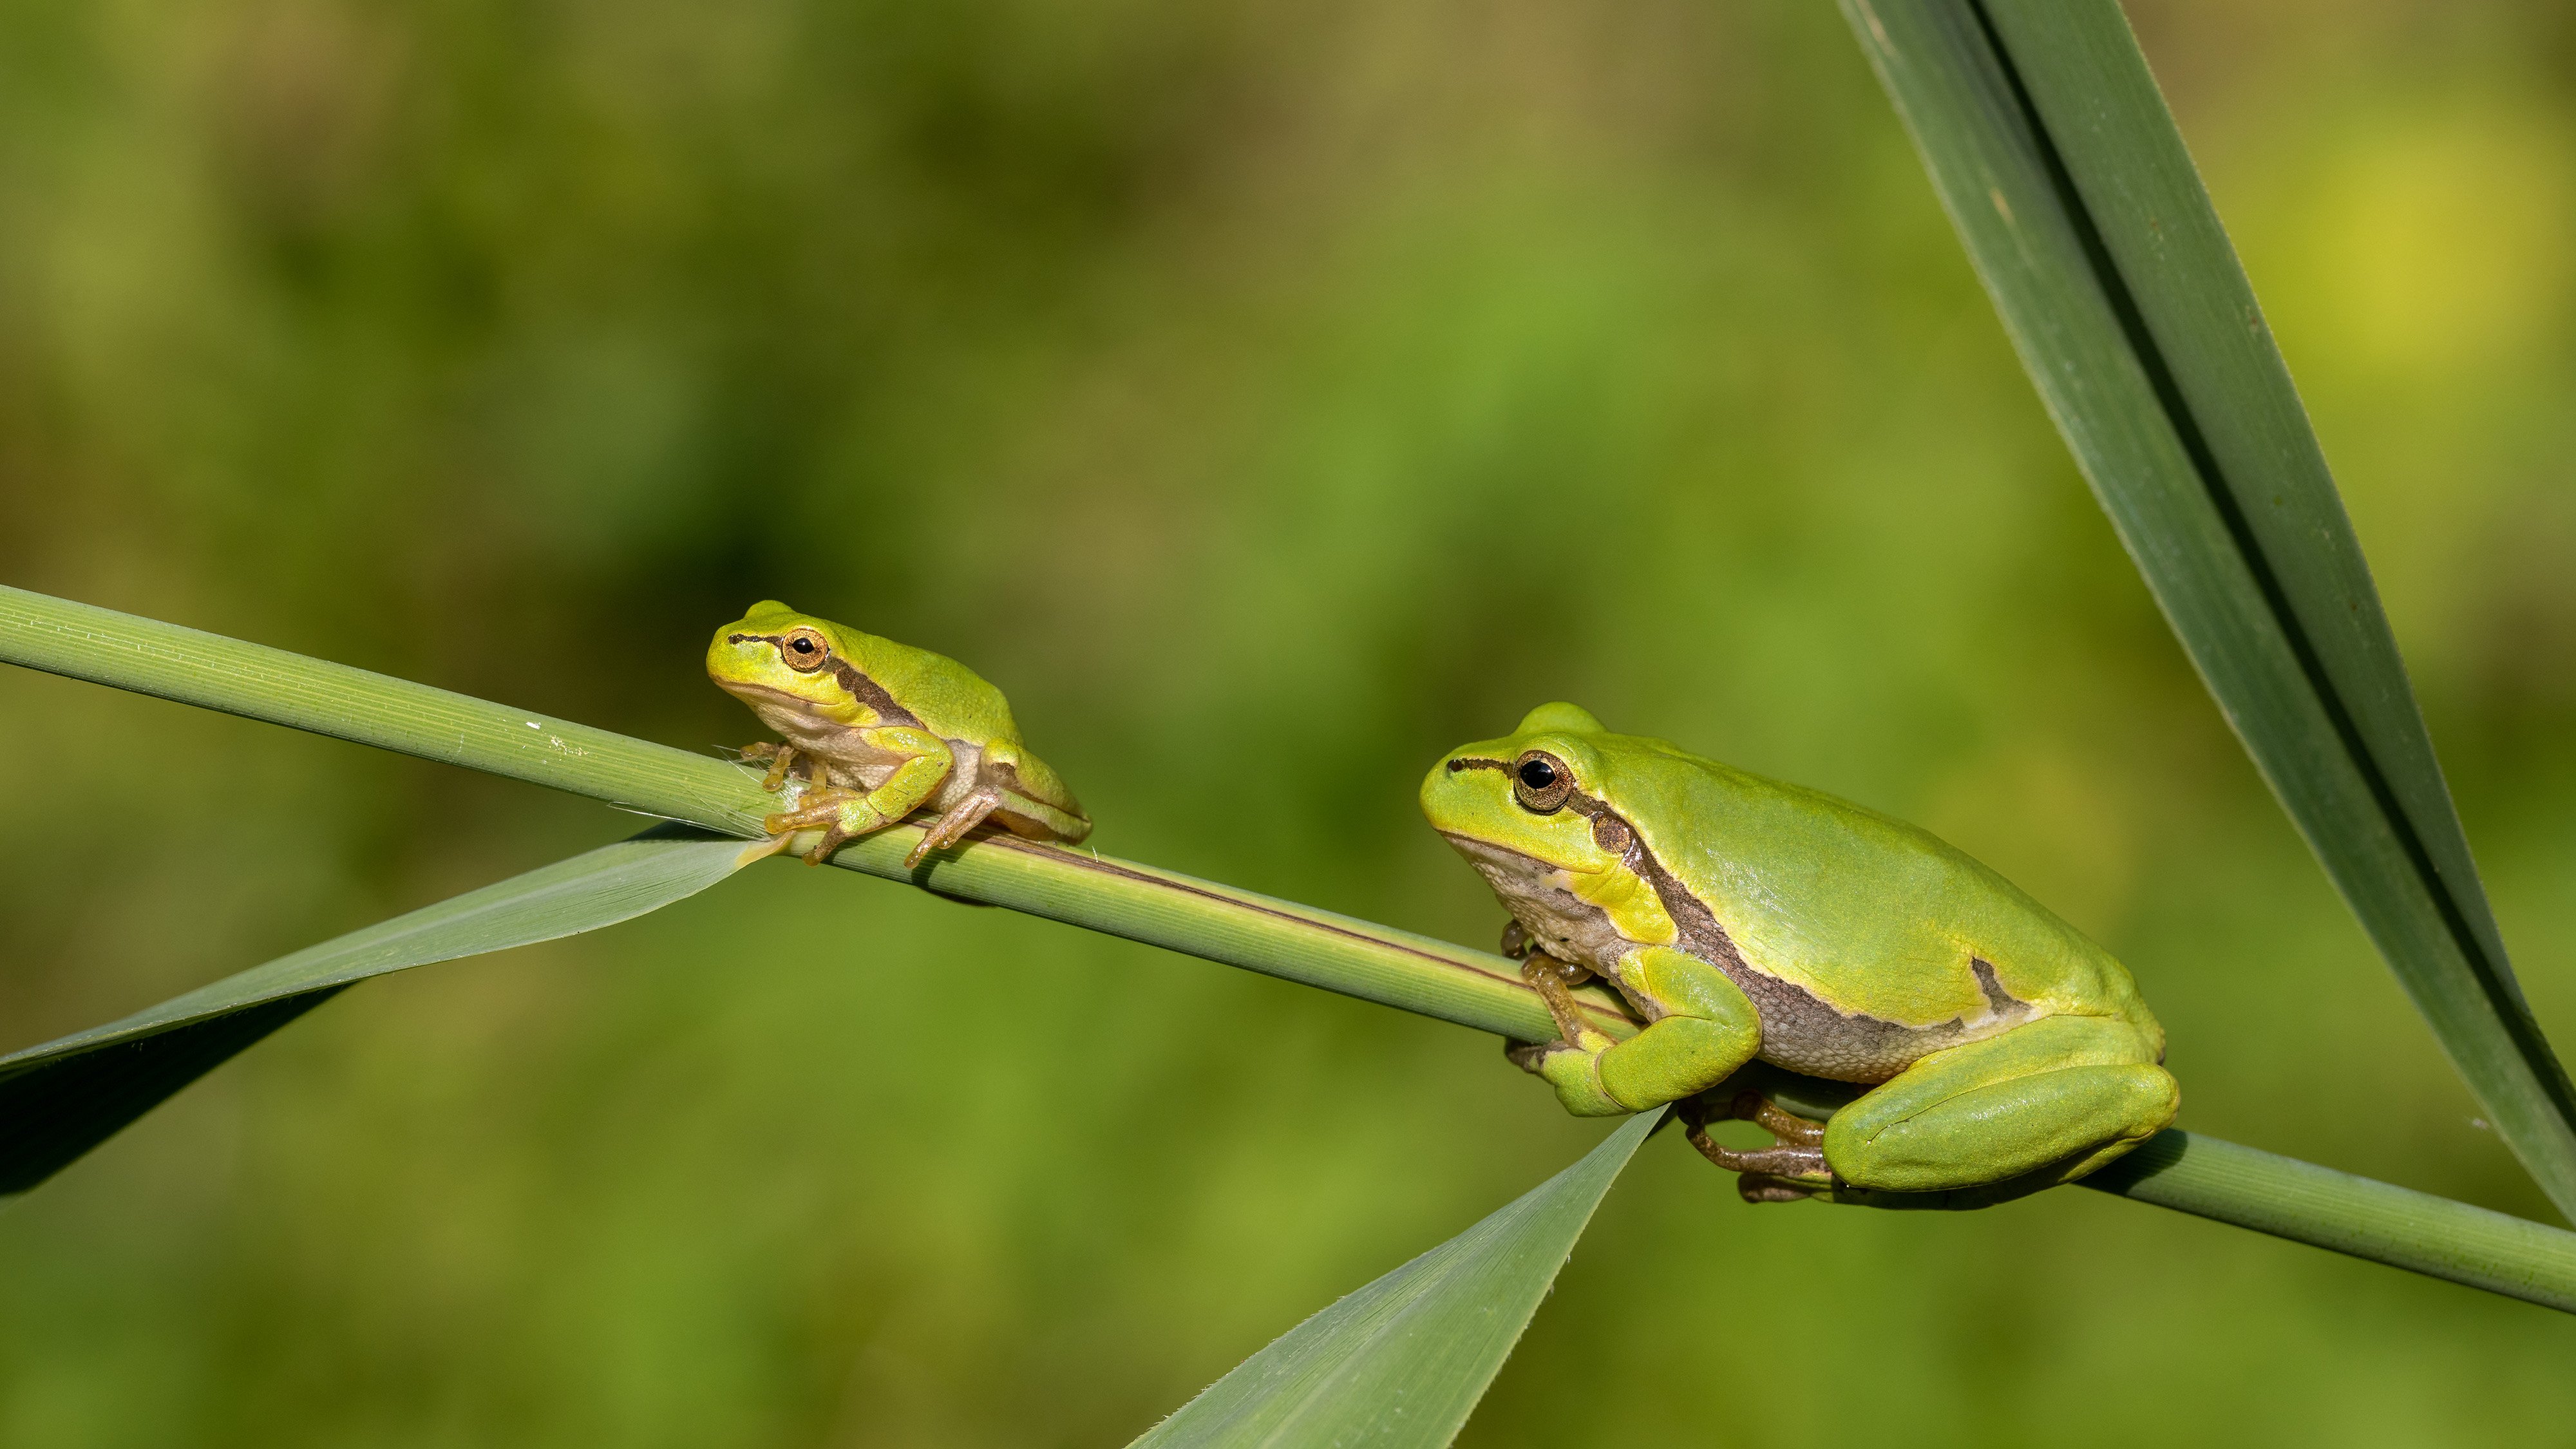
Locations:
(842, 816)
(950, 828)
(782, 761)
(1571, 1063)
(1790, 1169)
(1520, 945)
(817, 804)
(1554, 981)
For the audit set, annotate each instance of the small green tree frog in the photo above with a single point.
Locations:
(879, 730)
(1745, 919)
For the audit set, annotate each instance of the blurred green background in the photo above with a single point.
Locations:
(1268, 396)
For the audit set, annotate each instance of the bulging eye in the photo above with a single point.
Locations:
(804, 651)
(1541, 782)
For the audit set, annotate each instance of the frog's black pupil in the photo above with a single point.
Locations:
(803, 646)
(1537, 774)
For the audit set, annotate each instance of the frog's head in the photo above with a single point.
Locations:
(1538, 814)
(777, 657)
(1529, 804)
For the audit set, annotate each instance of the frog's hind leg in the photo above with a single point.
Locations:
(950, 828)
(1790, 1169)
(2051, 1100)
(1016, 792)
(1777, 1120)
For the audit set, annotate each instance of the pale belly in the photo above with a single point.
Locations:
(854, 764)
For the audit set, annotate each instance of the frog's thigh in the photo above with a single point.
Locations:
(1708, 1029)
(2072, 1091)
(926, 764)
(1021, 791)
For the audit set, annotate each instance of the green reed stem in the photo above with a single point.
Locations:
(2199, 1175)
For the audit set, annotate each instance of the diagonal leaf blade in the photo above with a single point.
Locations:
(2074, 195)
(60, 1099)
(1402, 1362)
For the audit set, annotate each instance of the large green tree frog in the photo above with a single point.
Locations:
(879, 730)
(1743, 918)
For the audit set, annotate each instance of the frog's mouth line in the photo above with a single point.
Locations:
(1503, 857)
(768, 694)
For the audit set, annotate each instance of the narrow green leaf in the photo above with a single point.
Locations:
(1165, 908)
(59, 1100)
(1401, 1363)
(2077, 200)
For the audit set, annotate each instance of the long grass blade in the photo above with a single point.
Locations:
(60, 1099)
(1401, 1363)
(2052, 150)
(1201, 918)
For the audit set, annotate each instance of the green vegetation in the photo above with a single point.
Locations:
(1402, 1361)
(2045, 134)
(63, 1097)
(543, 345)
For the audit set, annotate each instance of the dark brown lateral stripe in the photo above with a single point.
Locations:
(2003, 1002)
(867, 691)
(1816, 1036)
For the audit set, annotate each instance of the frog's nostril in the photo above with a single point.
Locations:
(1456, 765)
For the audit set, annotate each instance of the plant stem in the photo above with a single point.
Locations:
(1079, 887)
(2376, 1220)
(2199, 1175)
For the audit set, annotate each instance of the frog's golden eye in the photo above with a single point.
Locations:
(804, 650)
(1541, 782)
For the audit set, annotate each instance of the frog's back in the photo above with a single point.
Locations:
(1935, 949)
(943, 696)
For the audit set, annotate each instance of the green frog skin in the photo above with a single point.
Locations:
(881, 730)
(1746, 919)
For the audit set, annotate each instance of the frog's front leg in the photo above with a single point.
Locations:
(2059, 1096)
(781, 760)
(1702, 1028)
(843, 815)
